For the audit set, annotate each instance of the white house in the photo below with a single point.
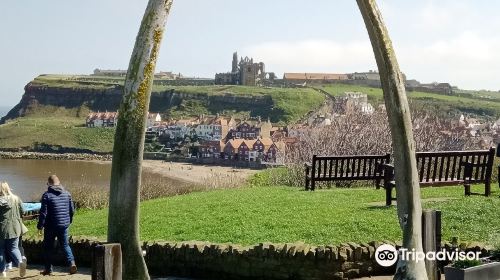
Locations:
(153, 118)
(106, 119)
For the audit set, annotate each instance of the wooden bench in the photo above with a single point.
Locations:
(448, 168)
(30, 215)
(345, 168)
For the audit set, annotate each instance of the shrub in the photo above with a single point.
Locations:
(466, 264)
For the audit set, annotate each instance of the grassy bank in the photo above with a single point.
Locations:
(282, 214)
(55, 130)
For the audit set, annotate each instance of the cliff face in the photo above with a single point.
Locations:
(108, 99)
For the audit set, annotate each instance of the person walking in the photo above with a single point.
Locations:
(10, 229)
(56, 215)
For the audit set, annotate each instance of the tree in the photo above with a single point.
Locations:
(123, 221)
(398, 113)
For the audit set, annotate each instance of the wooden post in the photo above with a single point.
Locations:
(107, 262)
(431, 240)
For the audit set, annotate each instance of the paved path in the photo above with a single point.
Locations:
(61, 273)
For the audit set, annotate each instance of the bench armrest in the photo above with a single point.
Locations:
(307, 164)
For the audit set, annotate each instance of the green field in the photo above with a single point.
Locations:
(55, 130)
(252, 215)
(288, 104)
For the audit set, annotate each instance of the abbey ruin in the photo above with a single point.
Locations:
(245, 72)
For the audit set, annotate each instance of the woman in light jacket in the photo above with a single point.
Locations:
(10, 228)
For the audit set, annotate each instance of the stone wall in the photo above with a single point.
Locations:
(262, 261)
(53, 156)
(185, 82)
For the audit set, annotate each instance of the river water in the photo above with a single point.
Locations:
(28, 178)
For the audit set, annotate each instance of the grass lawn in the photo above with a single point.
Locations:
(283, 214)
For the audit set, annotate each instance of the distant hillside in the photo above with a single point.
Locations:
(53, 108)
(480, 104)
(77, 95)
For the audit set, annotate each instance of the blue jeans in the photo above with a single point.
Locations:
(10, 247)
(49, 237)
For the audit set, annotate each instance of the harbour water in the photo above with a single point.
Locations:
(28, 178)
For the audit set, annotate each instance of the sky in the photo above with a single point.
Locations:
(455, 41)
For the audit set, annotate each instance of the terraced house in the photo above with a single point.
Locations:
(251, 130)
(251, 149)
(213, 128)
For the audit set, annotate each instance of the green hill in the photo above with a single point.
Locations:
(76, 93)
(472, 103)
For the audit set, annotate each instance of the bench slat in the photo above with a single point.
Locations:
(481, 170)
(325, 167)
(421, 167)
(336, 167)
(341, 168)
(429, 165)
(441, 166)
(446, 173)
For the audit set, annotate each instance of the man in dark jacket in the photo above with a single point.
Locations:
(55, 217)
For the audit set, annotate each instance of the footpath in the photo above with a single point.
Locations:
(60, 273)
(33, 272)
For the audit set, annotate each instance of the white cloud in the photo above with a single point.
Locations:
(314, 56)
(467, 60)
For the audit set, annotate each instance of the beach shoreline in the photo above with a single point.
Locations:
(182, 171)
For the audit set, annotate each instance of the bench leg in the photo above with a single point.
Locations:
(307, 183)
(467, 189)
(313, 184)
(388, 196)
(487, 188)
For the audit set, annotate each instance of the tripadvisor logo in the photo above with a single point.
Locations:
(386, 255)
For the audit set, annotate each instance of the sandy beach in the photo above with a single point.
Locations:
(194, 173)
